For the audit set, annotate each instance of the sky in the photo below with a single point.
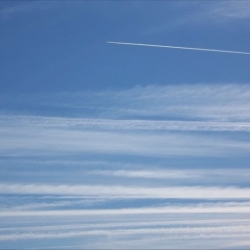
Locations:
(111, 146)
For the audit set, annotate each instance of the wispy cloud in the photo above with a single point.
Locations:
(132, 223)
(52, 205)
(163, 122)
(124, 192)
(143, 226)
(177, 108)
(207, 13)
(123, 226)
(149, 226)
(197, 102)
(178, 173)
(43, 141)
(231, 9)
(117, 124)
(200, 232)
(15, 9)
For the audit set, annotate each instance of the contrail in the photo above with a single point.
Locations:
(186, 48)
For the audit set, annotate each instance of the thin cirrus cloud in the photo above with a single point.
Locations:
(101, 191)
(44, 141)
(209, 102)
(121, 124)
(131, 223)
(156, 224)
(222, 102)
(175, 222)
(197, 12)
(160, 114)
(216, 12)
(213, 232)
(181, 209)
(143, 167)
(81, 167)
(22, 8)
(230, 10)
(238, 232)
(176, 173)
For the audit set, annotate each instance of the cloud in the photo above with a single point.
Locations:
(132, 222)
(124, 192)
(54, 204)
(166, 122)
(231, 9)
(202, 12)
(118, 124)
(200, 174)
(133, 225)
(174, 233)
(22, 135)
(10, 11)
(196, 102)
(167, 174)
(23, 8)
(218, 11)
(130, 227)
(44, 141)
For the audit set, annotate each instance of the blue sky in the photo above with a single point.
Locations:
(120, 147)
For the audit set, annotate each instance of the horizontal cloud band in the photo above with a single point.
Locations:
(129, 192)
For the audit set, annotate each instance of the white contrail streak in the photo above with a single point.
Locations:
(186, 48)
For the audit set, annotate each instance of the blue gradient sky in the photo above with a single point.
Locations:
(119, 147)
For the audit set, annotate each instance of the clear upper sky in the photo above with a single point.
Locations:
(124, 147)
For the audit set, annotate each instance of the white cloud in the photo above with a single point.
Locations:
(116, 127)
(196, 102)
(217, 12)
(23, 7)
(27, 139)
(200, 174)
(144, 227)
(202, 12)
(231, 9)
(132, 222)
(194, 233)
(54, 204)
(123, 192)
(117, 124)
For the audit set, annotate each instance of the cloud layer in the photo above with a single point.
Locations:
(144, 166)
